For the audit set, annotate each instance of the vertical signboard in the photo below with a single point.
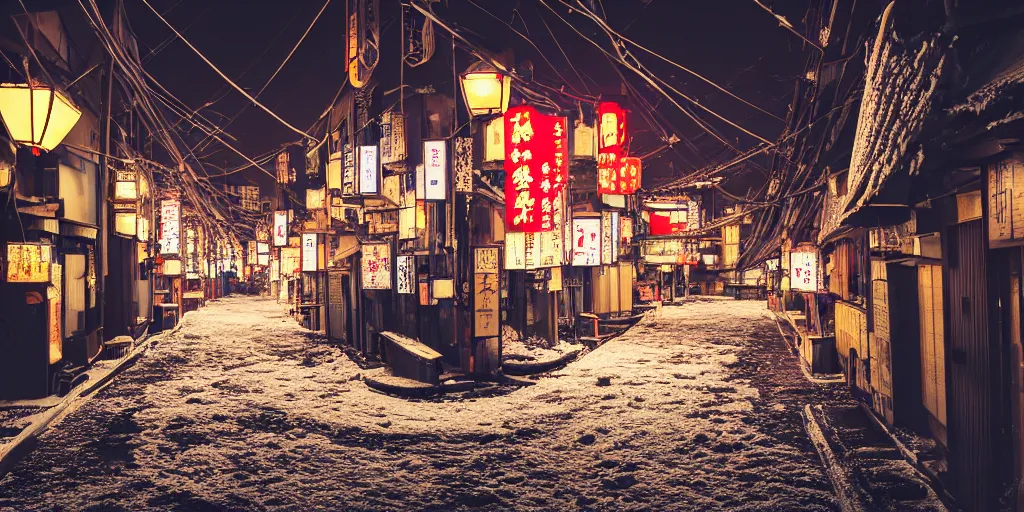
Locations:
(606, 238)
(405, 274)
(536, 168)
(611, 140)
(1006, 202)
(376, 267)
(280, 229)
(615, 236)
(515, 251)
(170, 227)
(435, 170)
(462, 162)
(803, 270)
(369, 171)
(309, 255)
(486, 290)
(586, 241)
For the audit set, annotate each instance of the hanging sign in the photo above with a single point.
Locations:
(536, 167)
(309, 256)
(348, 170)
(170, 227)
(392, 138)
(463, 164)
(486, 290)
(424, 291)
(515, 251)
(382, 222)
(28, 263)
(369, 171)
(291, 261)
(251, 253)
(803, 270)
(376, 266)
(586, 241)
(280, 229)
(611, 140)
(606, 238)
(615, 236)
(435, 170)
(334, 171)
(625, 235)
(405, 273)
(628, 179)
(126, 185)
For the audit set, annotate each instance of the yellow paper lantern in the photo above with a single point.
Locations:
(37, 115)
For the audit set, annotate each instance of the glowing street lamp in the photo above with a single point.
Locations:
(36, 114)
(485, 89)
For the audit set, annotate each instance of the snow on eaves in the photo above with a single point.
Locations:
(899, 93)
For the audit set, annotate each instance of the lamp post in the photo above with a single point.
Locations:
(37, 115)
(485, 89)
(486, 92)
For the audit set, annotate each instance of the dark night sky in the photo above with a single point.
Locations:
(732, 42)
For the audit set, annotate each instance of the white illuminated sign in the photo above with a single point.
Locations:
(803, 271)
(369, 170)
(170, 227)
(280, 229)
(309, 255)
(435, 170)
(586, 241)
(406, 273)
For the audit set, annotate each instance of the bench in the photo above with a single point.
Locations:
(410, 358)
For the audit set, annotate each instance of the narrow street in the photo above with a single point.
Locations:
(241, 409)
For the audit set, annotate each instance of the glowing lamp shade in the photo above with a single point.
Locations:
(30, 118)
(485, 90)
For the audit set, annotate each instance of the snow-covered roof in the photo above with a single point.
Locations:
(899, 95)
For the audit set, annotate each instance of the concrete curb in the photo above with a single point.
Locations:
(849, 498)
(832, 378)
(402, 390)
(523, 368)
(24, 442)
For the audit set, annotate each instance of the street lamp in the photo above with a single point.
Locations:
(36, 114)
(485, 89)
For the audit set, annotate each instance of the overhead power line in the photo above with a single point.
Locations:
(225, 77)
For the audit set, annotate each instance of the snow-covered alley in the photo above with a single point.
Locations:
(697, 408)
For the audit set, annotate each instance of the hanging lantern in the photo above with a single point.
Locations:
(37, 115)
(485, 89)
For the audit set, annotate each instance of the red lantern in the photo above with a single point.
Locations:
(611, 147)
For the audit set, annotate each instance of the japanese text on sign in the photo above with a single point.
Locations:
(435, 170)
(536, 168)
(586, 241)
(170, 227)
(611, 125)
(803, 271)
(406, 274)
(376, 266)
(309, 256)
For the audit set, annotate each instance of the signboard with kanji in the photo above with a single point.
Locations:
(376, 266)
(803, 271)
(536, 168)
(586, 241)
(611, 146)
(405, 272)
(435, 170)
(486, 293)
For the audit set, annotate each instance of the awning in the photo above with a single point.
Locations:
(900, 94)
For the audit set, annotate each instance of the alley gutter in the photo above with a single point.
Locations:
(849, 497)
(24, 442)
